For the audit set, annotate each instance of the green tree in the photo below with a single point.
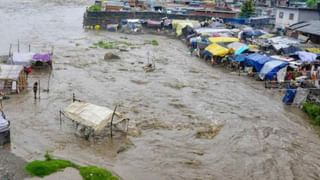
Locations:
(312, 3)
(247, 9)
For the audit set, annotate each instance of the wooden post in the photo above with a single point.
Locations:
(114, 112)
(18, 46)
(39, 89)
(73, 97)
(60, 118)
(10, 48)
(29, 47)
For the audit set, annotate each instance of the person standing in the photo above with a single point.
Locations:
(35, 89)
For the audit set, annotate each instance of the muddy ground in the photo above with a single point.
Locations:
(251, 134)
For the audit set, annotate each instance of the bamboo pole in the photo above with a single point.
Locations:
(114, 112)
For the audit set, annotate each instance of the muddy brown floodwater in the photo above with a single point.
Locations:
(251, 134)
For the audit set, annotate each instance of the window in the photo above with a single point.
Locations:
(281, 15)
(291, 16)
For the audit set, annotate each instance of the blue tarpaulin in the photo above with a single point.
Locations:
(270, 69)
(288, 98)
(257, 61)
(235, 20)
(238, 58)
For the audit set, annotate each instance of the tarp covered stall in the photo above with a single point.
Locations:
(280, 42)
(223, 39)
(289, 50)
(238, 47)
(217, 50)
(178, 25)
(211, 31)
(13, 79)
(257, 61)
(92, 116)
(238, 58)
(307, 57)
(271, 68)
(23, 59)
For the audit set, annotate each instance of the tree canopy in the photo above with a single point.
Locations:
(247, 9)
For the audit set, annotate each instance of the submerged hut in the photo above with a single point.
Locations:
(13, 78)
(92, 119)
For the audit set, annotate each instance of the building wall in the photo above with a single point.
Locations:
(309, 15)
(285, 20)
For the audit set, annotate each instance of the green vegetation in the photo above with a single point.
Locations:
(111, 44)
(95, 8)
(247, 9)
(47, 167)
(313, 111)
(312, 3)
(118, 44)
(50, 165)
(152, 42)
(95, 173)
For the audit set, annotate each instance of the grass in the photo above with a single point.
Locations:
(94, 8)
(313, 111)
(95, 173)
(111, 44)
(49, 166)
(152, 42)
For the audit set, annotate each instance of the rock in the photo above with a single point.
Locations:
(110, 56)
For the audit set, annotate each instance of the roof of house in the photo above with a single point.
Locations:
(10, 71)
(297, 8)
(310, 27)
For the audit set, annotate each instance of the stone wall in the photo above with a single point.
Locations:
(314, 96)
(104, 18)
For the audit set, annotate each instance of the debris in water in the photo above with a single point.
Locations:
(149, 68)
(209, 132)
(110, 56)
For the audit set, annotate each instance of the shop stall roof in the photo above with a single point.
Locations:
(223, 39)
(11, 72)
(238, 47)
(217, 50)
(209, 31)
(90, 115)
(307, 57)
(257, 60)
(270, 69)
(21, 58)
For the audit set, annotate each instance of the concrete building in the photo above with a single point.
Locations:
(286, 16)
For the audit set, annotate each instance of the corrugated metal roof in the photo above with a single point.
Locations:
(310, 27)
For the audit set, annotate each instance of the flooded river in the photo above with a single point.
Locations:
(260, 138)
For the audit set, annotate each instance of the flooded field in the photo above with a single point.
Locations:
(188, 120)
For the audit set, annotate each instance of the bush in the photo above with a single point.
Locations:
(95, 8)
(95, 173)
(313, 111)
(47, 167)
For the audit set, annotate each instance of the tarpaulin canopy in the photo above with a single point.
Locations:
(217, 50)
(210, 31)
(10, 72)
(178, 25)
(90, 115)
(23, 59)
(289, 50)
(223, 39)
(238, 47)
(257, 60)
(155, 24)
(270, 69)
(307, 56)
(46, 57)
(238, 58)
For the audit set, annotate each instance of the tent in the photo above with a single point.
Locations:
(92, 116)
(178, 25)
(257, 61)
(217, 50)
(238, 47)
(223, 39)
(23, 59)
(270, 69)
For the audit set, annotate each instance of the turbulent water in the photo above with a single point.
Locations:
(260, 138)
